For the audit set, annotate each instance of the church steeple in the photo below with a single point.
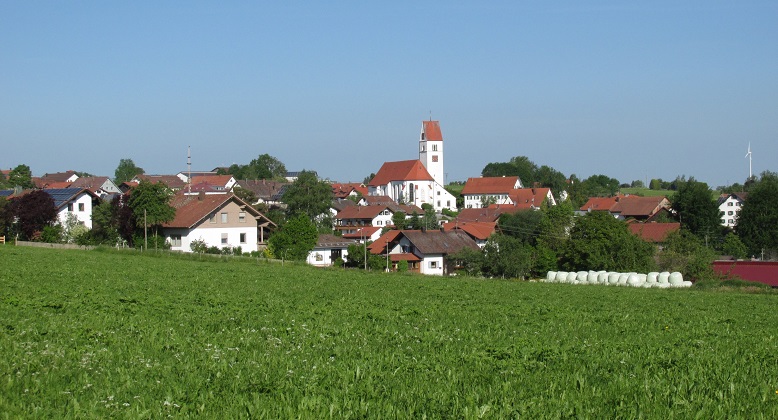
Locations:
(431, 150)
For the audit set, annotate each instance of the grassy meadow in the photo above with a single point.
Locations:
(96, 334)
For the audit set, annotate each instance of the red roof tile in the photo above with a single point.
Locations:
(599, 203)
(490, 185)
(193, 209)
(360, 212)
(653, 232)
(634, 206)
(525, 198)
(479, 215)
(404, 170)
(477, 230)
(365, 232)
(432, 131)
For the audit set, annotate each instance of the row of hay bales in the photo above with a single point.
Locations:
(654, 279)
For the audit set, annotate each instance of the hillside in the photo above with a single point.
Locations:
(105, 334)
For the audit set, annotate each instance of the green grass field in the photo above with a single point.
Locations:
(96, 334)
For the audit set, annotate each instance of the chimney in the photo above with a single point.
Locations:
(200, 196)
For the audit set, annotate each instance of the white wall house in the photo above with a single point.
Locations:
(220, 220)
(328, 249)
(493, 190)
(76, 201)
(430, 248)
(729, 206)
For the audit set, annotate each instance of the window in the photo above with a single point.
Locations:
(80, 206)
(435, 148)
(175, 241)
(434, 158)
(242, 217)
(737, 204)
(243, 238)
(448, 203)
(730, 204)
(212, 218)
(729, 213)
(70, 206)
(433, 264)
(438, 203)
(224, 217)
(731, 221)
(224, 239)
(379, 223)
(723, 221)
(438, 192)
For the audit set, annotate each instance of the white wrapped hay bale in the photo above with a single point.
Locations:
(582, 275)
(623, 277)
(675, 278)
(643, 278)
(662, 285)
(592, 277)
(613, 278)
(602, 277)
(686, 283)
(571, 276)
(551, 276)
(634, 280)
(561, 276)
(652, 277)
(663, 277)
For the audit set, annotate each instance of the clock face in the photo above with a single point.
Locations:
(434, 158)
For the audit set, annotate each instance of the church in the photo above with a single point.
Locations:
(418, 181)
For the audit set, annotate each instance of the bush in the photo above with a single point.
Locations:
(199, 246)
(50, 234)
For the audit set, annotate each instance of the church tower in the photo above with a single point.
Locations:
(431, 150)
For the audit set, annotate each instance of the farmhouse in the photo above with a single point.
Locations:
(480, 192)
(328, 249)
(425, 250)
(729, 206)
(220, 220)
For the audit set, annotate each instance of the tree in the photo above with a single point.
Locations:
(32, 212)
(265, 167)
(549, 177)
(469, 261)
(398, 220)
(520, 166)
(368, 178)
(294, 239)
(20, 176)
(414, 222)
(555, 225)
(699, 214)
(430, 219)
(125, 171)
(598, 241)
(3, 181)
(600, 186)
(507, 257)
(308, 196)
(734, 247)
(686, 253)
(523, 225)
(150, 206)
(245, 194)
(757, 222)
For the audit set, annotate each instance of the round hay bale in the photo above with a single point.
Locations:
(592, 277)
(571, 276)
(663, 277)
(582, 275)
(602, 277)
(652, 277)
(613, 278)
(634, 280)
(561, 276)
(551, 276)
(675, 278)
(623, 277)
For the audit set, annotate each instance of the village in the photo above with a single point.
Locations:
(403, 215)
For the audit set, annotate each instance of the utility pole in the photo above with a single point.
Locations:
(145, 231)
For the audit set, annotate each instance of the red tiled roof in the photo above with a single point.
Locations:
(56, 177)
(599, 203)
(653, 232)
(192, 209)
(332, 241)
(57, 185)
(215, 180)
(379, 245)
(479, 215)
(490, 185)
(477, 230)
(404, 170)
(343, 190)
(432, 131)
(439, 242)
(634, 206)
(360, 212)
(525, 198)
(172, 181)
(374, 200)
(405, 256)
(91, 182)
(362, 233)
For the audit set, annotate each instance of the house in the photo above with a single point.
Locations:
(267, 191)
(623, 207)
(526, 199)
(365, 234)
(479, 231)
(480, 192)
(653, 232)
(729, 206)
(328, 249)
(352, 218)
(351, 189)
(218, 182)
(100, 185)
(57, 177)
(221, 220)
(417, 181)
(481, 215)
(292, 176)
(74, 201)
(425, 250)
(172, 181)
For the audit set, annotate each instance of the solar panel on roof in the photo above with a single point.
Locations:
(62, 195)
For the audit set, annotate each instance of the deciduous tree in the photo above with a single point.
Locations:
(294, 239)
(149, 202)
(757, 222)
(698, 213)
(308, 196)
(125, 171)
(20, 176)
(32, 212)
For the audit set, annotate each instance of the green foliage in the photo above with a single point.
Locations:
(245, 194)
(168, 335)
(523, 225)
(529, 173)
(414, 222)
(263, 167)
(430, 219)
(32, 212)
(125, 171)
(149, 202)
(598, 241)
(456, 191)
(469, 261)
(307, 195)
(294, 239)
(198, 246)
(399, 220)
(73, 230)
(734, 247)
(51, 234)
(20, 176)
(698, 212)
(368, 178)
(507, 257)
(402, 266)
(155, 242)
(757, 222)
(686, 253)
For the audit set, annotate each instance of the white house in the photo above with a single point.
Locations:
(328, 249)
(100, 185)
(729, 206)
(75, 201)
(425, 250)
(489, 190)
(221, 220)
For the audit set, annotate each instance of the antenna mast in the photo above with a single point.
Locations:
(189, 168)
(748, 155)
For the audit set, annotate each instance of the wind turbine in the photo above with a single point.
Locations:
(748, 155)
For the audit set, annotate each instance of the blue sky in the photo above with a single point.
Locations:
(634, 90)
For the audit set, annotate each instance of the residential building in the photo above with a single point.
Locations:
(328, 249)
(729, 206)
(78, 202)
(426, 251)
(480, 192)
